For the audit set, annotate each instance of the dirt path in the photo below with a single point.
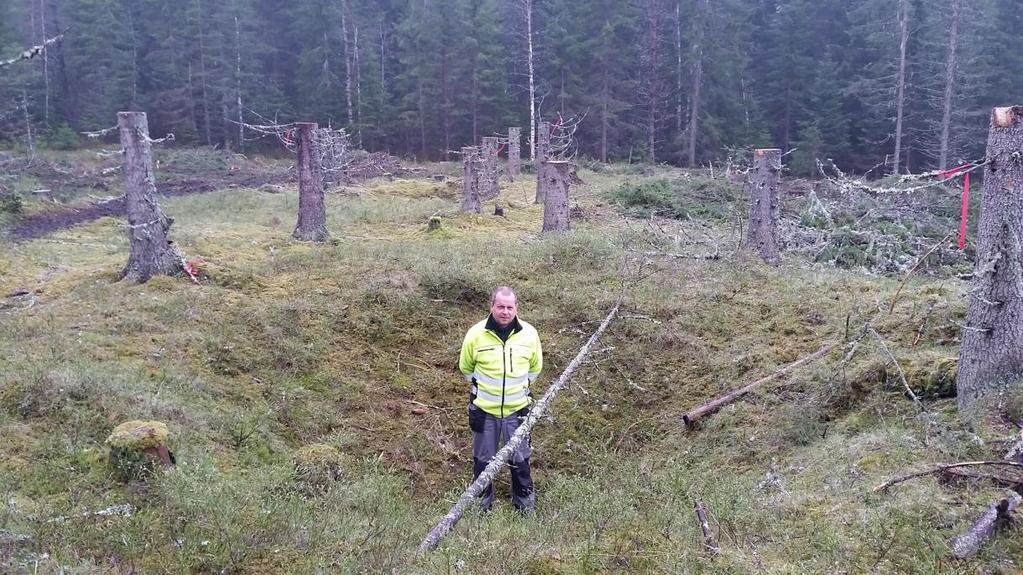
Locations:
(40, 225)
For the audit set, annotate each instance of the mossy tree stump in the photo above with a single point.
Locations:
(138, 448)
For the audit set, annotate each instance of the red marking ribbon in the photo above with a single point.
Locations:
(946, 174)
(501, 149)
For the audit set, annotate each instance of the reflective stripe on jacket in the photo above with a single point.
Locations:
(502, 370)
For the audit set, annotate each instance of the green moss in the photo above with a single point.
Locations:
(138, 435)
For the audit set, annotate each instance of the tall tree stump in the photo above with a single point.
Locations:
(514, 153)
(312, 214)
(491, 172)
(471, 160)
(991, 356)
(764, 204)
(555, 177)
(151, 253)
(543, 154)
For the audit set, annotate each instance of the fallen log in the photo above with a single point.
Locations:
(941, 469)
(708, 536)
(496, 464)
(968, 544)
(724, 400)
(1009, 478)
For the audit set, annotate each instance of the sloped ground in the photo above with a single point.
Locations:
(286, 344)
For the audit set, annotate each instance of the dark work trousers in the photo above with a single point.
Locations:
(488, 434)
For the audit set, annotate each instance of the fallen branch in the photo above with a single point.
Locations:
(913, 269)
(722, 401)
(708, 536)
(941, 468)
(32, 52)
(902, 374)
(501, 458)
(968, 544)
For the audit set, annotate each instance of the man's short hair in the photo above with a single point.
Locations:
(503, 290)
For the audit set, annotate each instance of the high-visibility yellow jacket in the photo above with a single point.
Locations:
(501, 371)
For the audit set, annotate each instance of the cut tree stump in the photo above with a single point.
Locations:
(514, 153)
(137, 448)
(991, 355)
(312, 214)
(471, 167)
(151, 253)
(554, 178)
(765, 204)
(489, 187)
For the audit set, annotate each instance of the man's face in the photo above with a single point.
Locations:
(504, 309)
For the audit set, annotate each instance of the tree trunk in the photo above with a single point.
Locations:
(238, 82)
(514, 153)
(29, 141)
(312, 214)
(678, 70)
(151, 253)
(991, 356)
(999, 513)
(527, 6)
(543, 154)
(697, 84)
(471, 160)
(950, 83)
(653, 83)
(554, 179)
(490, 188)
(764, 205)
(202, 72)
(358, 86)
(348, 64)
(900, 99)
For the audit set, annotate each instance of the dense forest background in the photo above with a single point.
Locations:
(679, 81)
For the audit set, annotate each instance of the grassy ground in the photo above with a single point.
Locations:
(286, 345)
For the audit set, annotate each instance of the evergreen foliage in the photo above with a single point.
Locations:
(421, 78)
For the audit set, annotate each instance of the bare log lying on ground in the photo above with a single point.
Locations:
(1009, 478)
(708, 536)
(468, 497)
(968, 544)
(724, 400)
(941, 469)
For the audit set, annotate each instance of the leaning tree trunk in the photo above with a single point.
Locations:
(489, 183)
(514, 153)
(312, 214)
(764, 204)
(151, 253)
(543, 154)
(554, 179)
(991, 356)
(471, 179)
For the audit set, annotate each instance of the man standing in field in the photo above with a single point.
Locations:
(501, 356)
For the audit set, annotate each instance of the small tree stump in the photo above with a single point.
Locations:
(554, 179)
(318, 466)
(137, 448)
(991, 356)
(543, 153)
(434, 224)
(514, 153)
(764, 207)
(151, 253)
(312, 213)
(471, 160)
(491, 171)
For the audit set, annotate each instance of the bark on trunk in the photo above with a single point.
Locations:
(527, 6)
(991, 356)
(471, 160)
(653, 84)
(514, 153)
(312, 214)
(554, 178)
(151, 253)
(950, 84)
(490, 188)
(697, 84)
(202, 71)
(900, 99)
(543, 154)
(764, 205)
